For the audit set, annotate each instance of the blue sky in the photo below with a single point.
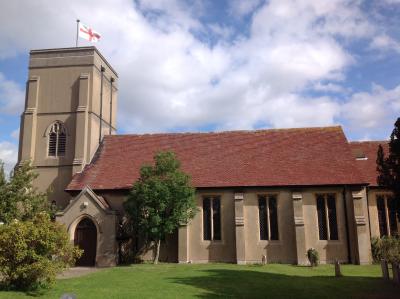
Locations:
(221, 65)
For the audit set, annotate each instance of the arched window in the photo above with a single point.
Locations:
(57, 140)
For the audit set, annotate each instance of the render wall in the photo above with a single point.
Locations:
(358, 220)
(276, 251)
(280, 251)
(240, 242)
(65, 85)
(329, 250)
(200, 250)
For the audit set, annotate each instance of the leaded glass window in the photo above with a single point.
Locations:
(212, 218)
(387, 215)
(327, 217)
(268, 217)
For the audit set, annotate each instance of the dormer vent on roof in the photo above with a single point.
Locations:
(360, 154)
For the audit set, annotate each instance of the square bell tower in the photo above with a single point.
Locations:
(71, 100)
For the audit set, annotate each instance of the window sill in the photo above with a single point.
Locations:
(53, 161)
(269, 242)
(212, 242)
(329, 242)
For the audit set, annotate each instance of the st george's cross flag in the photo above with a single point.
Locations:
(88, 33)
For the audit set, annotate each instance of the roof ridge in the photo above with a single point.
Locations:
(226, 132)
(367, 141)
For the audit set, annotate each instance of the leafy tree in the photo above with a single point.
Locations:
(387, 248)
(389, 167)
(160, 200)
(33, 248)
(3, 180)
(19, 199)
(33, 252)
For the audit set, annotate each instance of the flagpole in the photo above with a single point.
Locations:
(77, 32)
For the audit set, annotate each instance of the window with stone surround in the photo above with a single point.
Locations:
(327, 218)
(57, 140)
(268, 217)
(386, 215)
(212, 218)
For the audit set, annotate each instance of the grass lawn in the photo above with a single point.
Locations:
(225, 280)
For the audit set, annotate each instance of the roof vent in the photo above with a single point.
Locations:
(360, 155)
(361, 158)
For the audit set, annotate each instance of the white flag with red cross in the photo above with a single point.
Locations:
(88, 33)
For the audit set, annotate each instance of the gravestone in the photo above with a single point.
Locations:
(338, 273)
(264, 259)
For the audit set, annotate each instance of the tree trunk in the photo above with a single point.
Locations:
(396, 272)
(385, 270)
(158, 242)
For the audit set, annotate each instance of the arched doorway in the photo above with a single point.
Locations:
(86, 239)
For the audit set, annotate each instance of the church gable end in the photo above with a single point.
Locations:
(89, 205)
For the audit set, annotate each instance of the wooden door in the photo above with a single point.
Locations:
(86, 239)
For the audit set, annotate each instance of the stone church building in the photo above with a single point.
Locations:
(264, 194)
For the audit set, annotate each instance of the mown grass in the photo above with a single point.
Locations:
(224, 280)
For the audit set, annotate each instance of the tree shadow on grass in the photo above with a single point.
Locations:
(222, 283)
(13, 290)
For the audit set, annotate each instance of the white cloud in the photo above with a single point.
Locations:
(11, 96)
(330, 87)
(8, 155)
(275, 59)
(170, 13)
(385, 42)
(289, 111)
(313, 18)
(373, 111)
(241, 8)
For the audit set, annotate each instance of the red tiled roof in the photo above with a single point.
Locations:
(366, 151)
(283, 157)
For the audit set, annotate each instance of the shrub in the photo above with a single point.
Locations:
(33, 252)
(19, 199)
(387, 248)
(391, 249)
(376, 249)
(313, 257)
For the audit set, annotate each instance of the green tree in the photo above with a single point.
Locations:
(19, 199)
(3, 180)
(32, 252)
(160, 200)
(33, 248)
(389, 167)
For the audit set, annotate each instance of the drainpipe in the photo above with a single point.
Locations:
(102, 69)
(346, 225)
(111, 94)
(369, 219)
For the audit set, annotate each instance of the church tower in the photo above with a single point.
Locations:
(71, 100)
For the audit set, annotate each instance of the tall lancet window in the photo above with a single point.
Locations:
(57, 140)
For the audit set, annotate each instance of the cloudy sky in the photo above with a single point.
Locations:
(205, 65)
